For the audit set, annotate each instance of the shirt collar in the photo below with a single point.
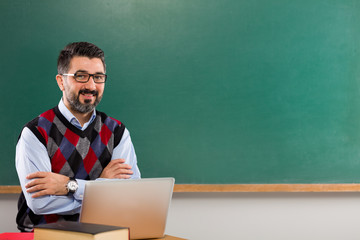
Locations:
(71, 118)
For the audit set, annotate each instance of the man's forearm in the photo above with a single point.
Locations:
(31, 157)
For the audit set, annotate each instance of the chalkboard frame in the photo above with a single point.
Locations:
(182, 188)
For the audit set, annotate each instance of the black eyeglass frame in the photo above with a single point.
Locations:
(90, 75)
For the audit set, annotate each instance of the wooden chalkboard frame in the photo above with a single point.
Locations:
(349, 187)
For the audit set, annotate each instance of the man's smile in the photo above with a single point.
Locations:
(88, 95)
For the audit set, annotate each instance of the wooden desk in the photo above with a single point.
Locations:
(30, 236)
(167, 237)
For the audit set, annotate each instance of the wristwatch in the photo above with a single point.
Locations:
(72, 185)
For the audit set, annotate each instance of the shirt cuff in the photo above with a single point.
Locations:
(79, 194)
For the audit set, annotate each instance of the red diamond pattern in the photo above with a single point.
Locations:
(49, 115)
(90, 160)
(105, 134)
(72, 137)
(59, 161)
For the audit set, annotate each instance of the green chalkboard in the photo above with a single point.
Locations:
(212, 91)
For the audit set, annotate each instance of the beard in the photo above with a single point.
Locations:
(86, 107)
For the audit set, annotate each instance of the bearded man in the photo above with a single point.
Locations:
(62, 148)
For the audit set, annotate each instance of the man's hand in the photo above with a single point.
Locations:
(117, 169)
(46, 183)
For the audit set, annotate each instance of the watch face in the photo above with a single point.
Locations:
(72, 185)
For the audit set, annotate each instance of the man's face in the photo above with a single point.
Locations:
(83, 97)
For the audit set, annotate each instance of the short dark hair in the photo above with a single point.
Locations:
(80, 49)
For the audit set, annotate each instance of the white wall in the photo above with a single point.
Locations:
(295, 216)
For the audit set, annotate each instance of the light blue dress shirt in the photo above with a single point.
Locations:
(32, 156)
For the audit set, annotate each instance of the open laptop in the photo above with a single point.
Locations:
(141, 204)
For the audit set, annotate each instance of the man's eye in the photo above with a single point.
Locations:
(99, 77)
(80, 76)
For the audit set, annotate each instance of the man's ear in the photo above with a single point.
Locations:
(60, 81)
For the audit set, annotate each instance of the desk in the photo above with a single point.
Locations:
(167, 237)
(30, 236)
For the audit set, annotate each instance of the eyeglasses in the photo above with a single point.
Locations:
(85, 77)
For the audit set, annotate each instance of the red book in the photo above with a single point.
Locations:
(16, 236)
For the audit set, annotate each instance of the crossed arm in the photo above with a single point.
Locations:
(46, 192)
(49, 183)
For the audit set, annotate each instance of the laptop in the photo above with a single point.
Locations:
(140, 204)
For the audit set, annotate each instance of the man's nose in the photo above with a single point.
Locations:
(91, 83)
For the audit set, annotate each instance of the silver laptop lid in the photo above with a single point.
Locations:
(141, 204)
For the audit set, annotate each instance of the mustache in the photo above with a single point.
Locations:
(87, 91)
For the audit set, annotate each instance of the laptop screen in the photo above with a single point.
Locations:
(140, 204)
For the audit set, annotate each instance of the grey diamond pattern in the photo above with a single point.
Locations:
(83, 146)
(60, 126)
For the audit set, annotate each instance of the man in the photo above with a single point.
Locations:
(65, 146)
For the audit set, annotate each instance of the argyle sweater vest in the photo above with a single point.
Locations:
(72, 152)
